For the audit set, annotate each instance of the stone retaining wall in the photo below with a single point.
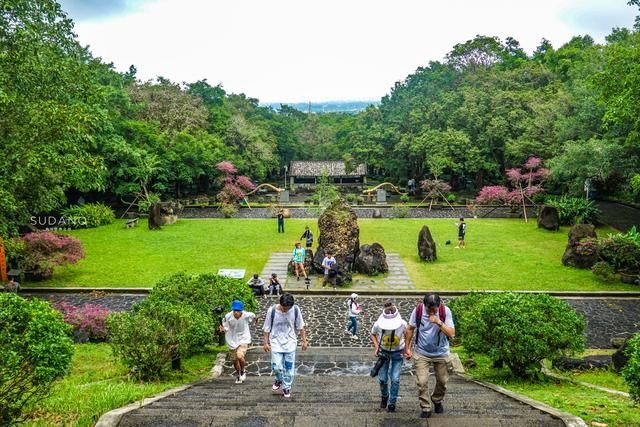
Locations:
(386, 211)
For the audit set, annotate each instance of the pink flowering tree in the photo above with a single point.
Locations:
(89, 321)
(233, 186)
(525, 182)
(45, 250)
(434, 189)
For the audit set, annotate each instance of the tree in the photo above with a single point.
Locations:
(53, 112)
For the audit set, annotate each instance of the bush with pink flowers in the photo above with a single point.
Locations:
(233, 188)
(88, 321)
(45, 250)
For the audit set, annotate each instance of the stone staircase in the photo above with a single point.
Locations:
(396, 279)
(331, 388)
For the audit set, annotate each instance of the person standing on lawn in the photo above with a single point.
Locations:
(308, 237)
(280, 216)
(462, 230)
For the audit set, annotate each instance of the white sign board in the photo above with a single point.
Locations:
(230, 272)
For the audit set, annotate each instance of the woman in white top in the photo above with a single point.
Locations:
(353, 310)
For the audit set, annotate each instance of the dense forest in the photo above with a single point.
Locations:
(69, 122)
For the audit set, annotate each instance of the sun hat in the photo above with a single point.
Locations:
(237, 306)
(390, 321)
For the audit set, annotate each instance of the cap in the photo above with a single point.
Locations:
(354, 295)
(237, 306)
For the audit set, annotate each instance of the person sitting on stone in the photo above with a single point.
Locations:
(12, 285)
(274, 285)
(257, 285)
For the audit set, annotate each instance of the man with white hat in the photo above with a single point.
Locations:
(237, 335)
(353, 310)
(389, 336)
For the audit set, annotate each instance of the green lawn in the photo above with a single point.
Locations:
(98, 384)
(500, 253)
(589, 404)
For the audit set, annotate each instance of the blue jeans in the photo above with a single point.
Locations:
(284, 367)
(354, 325)
(391, 368)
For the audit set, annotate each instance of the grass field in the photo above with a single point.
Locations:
(589, 404)
(98, 384)
(500, 253)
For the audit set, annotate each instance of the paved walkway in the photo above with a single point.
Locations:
(326, 315)
(396, 279)
(622, 217)
(330, 393)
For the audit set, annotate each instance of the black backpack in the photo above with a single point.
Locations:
(333, 270)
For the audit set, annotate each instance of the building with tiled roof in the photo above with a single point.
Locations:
(307, 173)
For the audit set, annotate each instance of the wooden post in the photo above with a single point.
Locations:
(3, 262)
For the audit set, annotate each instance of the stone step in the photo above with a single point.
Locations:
(346, 396)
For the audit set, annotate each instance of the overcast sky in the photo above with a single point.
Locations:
(318, 50)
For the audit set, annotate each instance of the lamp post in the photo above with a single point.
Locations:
(286, 168)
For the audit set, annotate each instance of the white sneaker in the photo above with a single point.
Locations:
(346, 331)
(354, 337)
(243, 376)
(238, 380)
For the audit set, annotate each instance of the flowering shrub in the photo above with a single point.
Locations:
(233, 187)
(88, 321)
(45, 250)
(434, 188)
(586, 247)
(526, 183)
(493, 194)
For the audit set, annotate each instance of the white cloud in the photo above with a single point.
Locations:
(300, 50)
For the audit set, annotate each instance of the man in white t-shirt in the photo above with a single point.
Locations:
(282, 324)
(330, 271)
(237, 335)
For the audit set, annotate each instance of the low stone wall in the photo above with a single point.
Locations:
(386, 211)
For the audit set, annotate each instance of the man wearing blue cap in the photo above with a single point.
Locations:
(237, 334)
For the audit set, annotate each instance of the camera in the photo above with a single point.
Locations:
(382, 358)
(218, 311)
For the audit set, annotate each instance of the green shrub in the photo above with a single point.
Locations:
(154, 334)
(631, 371)
(176, 319)
(634, 184)
(404, 198)
(89, 215)
(461, 306)
(350, 197)
(228, 210)
(35, 350)
(360, 200)
(523, 329)
(574, 210)
(399, 211)
(604, 271)
(621, 252)
(452, 198)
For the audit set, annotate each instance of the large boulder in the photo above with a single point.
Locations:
(620, 359)
(426, 245)
(548, 218)
(582, 364)
(577, 254)
(155, 216)
(339, 232)
(371, 260)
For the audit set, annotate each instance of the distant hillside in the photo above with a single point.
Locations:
(327, 107)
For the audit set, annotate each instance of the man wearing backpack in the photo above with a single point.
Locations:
(330, 269)
(281, 325)
(432, 322)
